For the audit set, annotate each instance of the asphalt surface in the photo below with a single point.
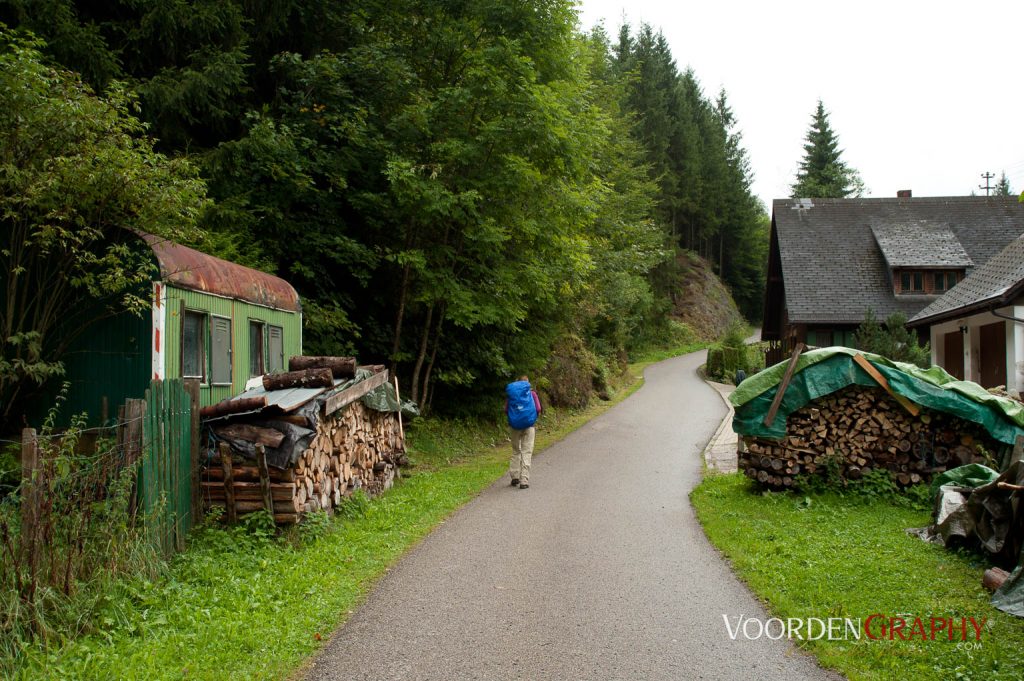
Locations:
(598, 571)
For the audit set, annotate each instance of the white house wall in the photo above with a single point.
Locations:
(972, 356)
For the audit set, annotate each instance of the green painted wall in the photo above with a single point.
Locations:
(113, 360)
(240, 313)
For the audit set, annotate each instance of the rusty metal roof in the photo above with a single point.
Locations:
(188, 268)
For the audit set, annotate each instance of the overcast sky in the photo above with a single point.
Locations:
(924, 96)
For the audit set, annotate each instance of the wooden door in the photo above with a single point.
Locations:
(953, 354)
(992, 362)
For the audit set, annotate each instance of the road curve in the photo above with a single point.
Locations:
(598, 571)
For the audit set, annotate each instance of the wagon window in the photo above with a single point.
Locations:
(193, 336)
(220, 350)
(255, 349)
(275, 348)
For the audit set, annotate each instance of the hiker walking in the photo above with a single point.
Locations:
(522, 407)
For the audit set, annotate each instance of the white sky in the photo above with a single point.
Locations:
(922, 95)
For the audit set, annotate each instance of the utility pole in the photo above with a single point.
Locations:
(988, 176)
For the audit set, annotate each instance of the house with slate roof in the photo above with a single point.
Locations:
(832, 260)
(977, 328)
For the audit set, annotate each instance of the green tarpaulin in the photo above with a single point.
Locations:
(826, 370)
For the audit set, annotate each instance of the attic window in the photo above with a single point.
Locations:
(924, 281)
(911, 282)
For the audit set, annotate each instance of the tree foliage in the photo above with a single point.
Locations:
(823, 173)
(76, 177)
(454, 188)
(1002, 187)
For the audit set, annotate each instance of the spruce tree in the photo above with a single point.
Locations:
(823, 173)
(1002, 187)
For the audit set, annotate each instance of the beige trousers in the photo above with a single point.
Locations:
(522, 453)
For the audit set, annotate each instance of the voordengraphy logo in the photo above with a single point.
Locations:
(876, 627)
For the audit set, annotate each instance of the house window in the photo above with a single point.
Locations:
(220, 350)
(255, 349)
(904, 281)
(275, 349)
(193, 345)
(918, 282)
(822, 338)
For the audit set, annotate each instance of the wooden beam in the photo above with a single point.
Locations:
(349, 395)
(229, 482)
(261, 463)
(874, 373)
(786, 378)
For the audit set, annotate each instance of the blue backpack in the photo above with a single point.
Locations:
(522, 412)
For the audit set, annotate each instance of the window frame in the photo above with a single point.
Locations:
(257, 351)
(202, 342)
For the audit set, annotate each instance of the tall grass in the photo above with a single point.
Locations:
(67, 537)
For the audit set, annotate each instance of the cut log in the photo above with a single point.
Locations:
(308, 378)
(994, 578)
(267, 437)
(225, 407)
(341, 367)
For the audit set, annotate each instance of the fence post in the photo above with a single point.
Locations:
(229, 482)
(192, 388)
(29, 496)
(261, 463)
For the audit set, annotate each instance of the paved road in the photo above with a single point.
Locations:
(598, 571)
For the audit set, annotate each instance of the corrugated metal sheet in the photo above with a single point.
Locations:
(288, 399)
(240, 313)
(190, 269)
(112, 360)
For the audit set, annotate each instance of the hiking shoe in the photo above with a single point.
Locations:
(515, 481)
(524, 485)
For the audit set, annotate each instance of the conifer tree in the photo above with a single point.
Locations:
(823, 173)
(1002, 187)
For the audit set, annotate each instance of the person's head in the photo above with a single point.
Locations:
(524, 377)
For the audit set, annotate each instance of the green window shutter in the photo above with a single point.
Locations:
(275, 349)
(220, 351)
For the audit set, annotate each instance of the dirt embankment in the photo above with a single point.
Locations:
(701, 300)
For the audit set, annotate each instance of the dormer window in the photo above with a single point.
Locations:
(925, 282)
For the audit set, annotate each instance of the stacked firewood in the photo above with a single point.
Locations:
(859, 429)
(353, 447)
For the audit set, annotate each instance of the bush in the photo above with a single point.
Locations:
(892, 340)
(731, 354)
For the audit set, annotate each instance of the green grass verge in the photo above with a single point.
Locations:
(833, 556)
(242, 603)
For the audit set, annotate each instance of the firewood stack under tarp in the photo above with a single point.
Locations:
(311, 447)
(860, 429)
(839, 412)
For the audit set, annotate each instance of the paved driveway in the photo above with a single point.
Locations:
(598, 571)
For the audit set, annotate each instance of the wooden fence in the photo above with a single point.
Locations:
(163, 431)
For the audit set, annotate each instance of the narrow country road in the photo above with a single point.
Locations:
(598, 571)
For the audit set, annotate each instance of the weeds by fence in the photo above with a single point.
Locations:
(81, 520)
